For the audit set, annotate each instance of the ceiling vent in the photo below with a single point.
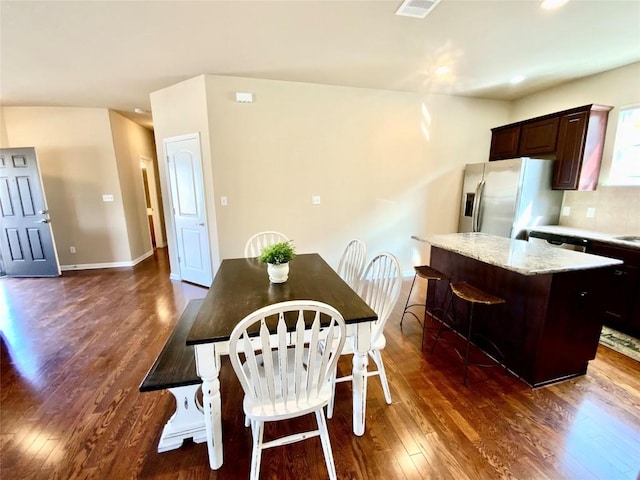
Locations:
(416, 8)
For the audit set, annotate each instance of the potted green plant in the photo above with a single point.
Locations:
(277, 257)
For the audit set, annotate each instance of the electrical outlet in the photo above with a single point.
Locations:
(591, 212)
(223, 201)
(72, 249)
(566, 211)
(315, 200)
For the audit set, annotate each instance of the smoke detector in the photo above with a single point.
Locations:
(416, 8)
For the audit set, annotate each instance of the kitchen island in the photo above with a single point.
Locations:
(549, 327)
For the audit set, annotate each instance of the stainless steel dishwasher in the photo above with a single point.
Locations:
(558, 240)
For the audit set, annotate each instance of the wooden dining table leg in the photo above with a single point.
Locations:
(359, 379)
(208, 369)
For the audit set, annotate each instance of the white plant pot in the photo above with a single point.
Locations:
(278, 273)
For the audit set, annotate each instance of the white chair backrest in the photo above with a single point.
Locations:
(352, 263)
(287, 368)
(260, 240)
(380, 287)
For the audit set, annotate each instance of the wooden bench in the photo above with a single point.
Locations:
(175, 370)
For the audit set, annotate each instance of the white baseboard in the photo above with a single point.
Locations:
(93, 266)
(142, 257)
(173, 276)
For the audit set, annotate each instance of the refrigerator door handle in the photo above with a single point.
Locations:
(475, 221)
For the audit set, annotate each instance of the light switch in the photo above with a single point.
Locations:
(591, 212)
(223, 201)
(566, 211)
(107, 198)
(315, 200)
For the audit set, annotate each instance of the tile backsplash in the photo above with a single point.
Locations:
(614, 210)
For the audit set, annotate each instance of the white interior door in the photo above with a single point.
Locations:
(26, 239)
(184, 164)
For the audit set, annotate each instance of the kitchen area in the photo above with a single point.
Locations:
(538, 230)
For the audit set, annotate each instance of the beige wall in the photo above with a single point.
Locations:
(615, 206)
(77, 160)
(130, 141)
(179, 110)
(380, 174)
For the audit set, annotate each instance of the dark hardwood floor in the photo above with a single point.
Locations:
(75, 348)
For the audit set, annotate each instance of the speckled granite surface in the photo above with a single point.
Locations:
(516, 255)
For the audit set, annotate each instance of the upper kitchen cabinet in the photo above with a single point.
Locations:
(574, 138)
(525, 139)
(504, 142)
(580, 140)
(539, 137)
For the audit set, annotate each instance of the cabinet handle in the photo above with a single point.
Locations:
(582, 294)
(619, 273)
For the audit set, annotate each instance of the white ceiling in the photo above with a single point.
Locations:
(113, 54)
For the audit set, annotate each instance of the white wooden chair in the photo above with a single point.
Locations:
(352, 263)
(257, 242)
(380, 288)
(287, 374)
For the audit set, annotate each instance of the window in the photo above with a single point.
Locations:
(625, 165)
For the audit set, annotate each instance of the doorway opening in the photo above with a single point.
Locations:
(151, 193)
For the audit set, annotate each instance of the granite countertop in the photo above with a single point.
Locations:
(517, 255)
(588, 234)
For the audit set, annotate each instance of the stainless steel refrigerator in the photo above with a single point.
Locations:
(507, 197)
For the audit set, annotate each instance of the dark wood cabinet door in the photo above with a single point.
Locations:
(622, 288)
(504, 142)
(571, 139)
(538, 137)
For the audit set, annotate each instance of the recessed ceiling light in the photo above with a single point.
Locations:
(141, 111)
(443, 70)
(517, 79)
(551, 4)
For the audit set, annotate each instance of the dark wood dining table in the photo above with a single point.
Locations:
(242, 286)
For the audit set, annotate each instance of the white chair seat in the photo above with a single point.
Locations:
(377, 344)
(281, 409)
(287, 374)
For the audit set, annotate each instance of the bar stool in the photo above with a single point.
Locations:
(427, 273)
(473, 295)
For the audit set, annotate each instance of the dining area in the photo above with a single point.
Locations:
(73, 410)
(274, 354)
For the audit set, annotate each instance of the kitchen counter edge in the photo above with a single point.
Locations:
(518, 256)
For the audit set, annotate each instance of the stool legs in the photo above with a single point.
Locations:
(473, 295)
(406, 305)
(433, 275)
(443, 326)
(466, 353)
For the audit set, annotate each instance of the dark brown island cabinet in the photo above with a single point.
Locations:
(574, 138)
(621, 287)
(549, 327)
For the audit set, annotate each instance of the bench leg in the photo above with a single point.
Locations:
(186, 422)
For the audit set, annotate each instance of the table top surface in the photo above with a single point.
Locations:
(242, 286)
(517, 255)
